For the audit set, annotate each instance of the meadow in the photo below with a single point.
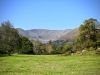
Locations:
(49, 65)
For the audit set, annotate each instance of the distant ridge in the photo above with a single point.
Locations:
(70, 35)
(44, 35)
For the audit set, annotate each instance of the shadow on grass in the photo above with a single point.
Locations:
(16, 55)
(3, 55)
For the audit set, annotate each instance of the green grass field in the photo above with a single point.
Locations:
(49, 65)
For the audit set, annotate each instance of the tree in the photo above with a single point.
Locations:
(48, 48)
(9, 38)
(67, 47)
(27, 46)
(88, 34)
(43, 49)
(56, 49)
(37, 47)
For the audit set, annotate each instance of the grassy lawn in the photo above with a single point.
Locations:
(49, 65)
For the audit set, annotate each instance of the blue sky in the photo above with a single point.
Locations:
(48, 14)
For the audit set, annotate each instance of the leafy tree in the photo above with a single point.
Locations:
(27, 46)
(49, 48)
(88, 34)
(50, 42)
(56, 49)
(54, 46)
(67, 47)
(43, 49)
(9, 38)
(37, 47)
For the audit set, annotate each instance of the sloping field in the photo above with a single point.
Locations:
(49, 65)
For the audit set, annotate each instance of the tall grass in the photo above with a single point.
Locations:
(50, 65)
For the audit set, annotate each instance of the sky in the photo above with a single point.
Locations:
(48, 14)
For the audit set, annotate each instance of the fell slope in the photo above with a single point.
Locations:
(70, 35)
(43, 35)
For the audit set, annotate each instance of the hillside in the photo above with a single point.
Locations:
(70, 35)
(43, 35)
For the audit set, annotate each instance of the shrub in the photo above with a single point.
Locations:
(97, 51)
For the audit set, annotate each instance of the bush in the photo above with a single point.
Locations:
(91, 49)
(97, 51)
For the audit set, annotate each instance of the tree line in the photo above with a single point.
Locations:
(11, 42)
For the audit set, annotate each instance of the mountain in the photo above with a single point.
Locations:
(44, 35)
(70, 35)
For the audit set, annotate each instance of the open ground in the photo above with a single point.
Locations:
(49, 65)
